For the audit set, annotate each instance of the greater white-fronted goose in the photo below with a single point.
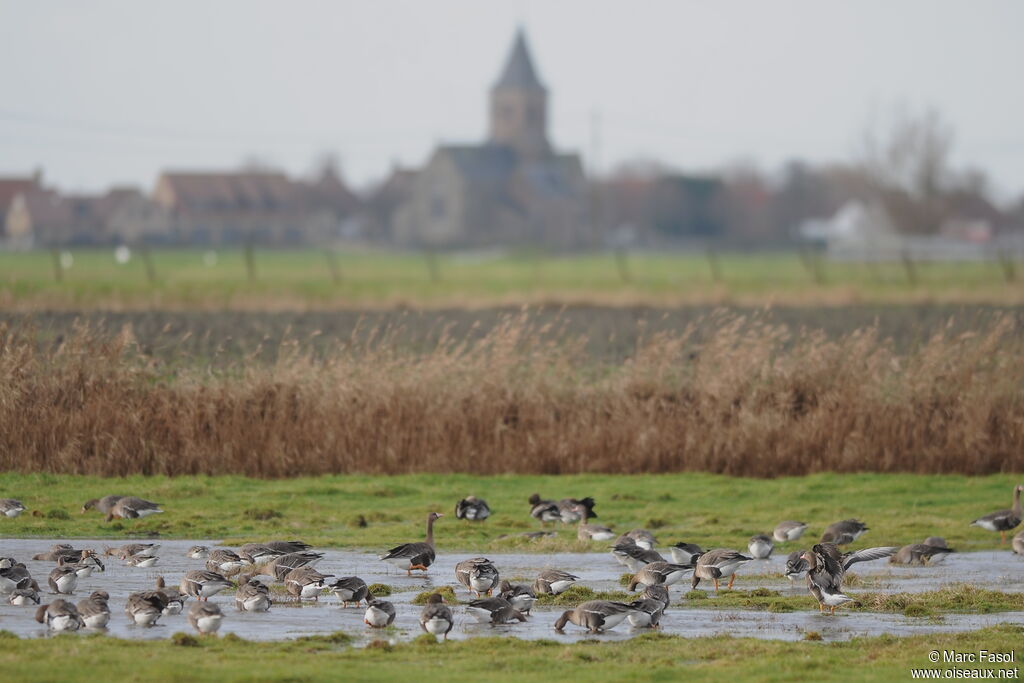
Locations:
(627, 553)
(145, 608)
(436, 617)
(495, 610)
(1003, 520)
(205, 617)
(650, 607)
(761, 546)
(350, 589)
(83, 568)
(61, 550)
(571, 510)
(14, 577)
(305, 582)
(198, 552)
(717, 564)
(553, 582)
(409, 556)
(519, 596)
(63, 579)
(1018, 542)
(796, 565)
(659, 573)
(25, 596)
(544, 510)
(643, 538)
(142, 561)
(103, 505)
(7, 562)
(479, 575)
(286, 547)
(203, 584)
(682, 553)
(282, 564)
(253, 596)
(175, 598)
(844, 532)
(594, 532)
(94, 610)
(472, 509)
(131, 507)
(789, 531)
(226, 562)
(260, 554)
(379, 613)
(826, 568)
(9, 507)
(60, 615)
(596, 615)
(130, 549)
(932, 551)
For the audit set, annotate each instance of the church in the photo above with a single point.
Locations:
(513, 189)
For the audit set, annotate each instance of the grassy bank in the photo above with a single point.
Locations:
(377, 512)
(647, 657)
(311, 279)
(745, 397)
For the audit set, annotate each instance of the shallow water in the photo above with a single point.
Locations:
(996, 570)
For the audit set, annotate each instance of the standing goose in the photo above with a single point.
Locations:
(350, 589)
(596, 615)
(202, 584)
(60, 615)
(844, 532)
(103, 505)
(1004, 520)
(205, 617)
(682, 553)
(553, 582)
(789, 531)
(9, 507)
(253, 596)
(409, 556)
(519, 596)
(594, 532)
(436, 617)
(571, 510)
(379, 613)
(198, 552)
(478, 575)
(826, 568)
(145, 608)
(718, 564)
(131, 507)
(174, 597)
(659, 573)
(761, 546)
(472, 509)
(283, 564)
(495, 611)
(94, 610)
(226, 562)
(544, 510)
(650, 607)
(305, 582)
(932, 551)
(643, 538)
(63, 579)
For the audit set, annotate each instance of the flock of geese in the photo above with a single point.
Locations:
(497, 601)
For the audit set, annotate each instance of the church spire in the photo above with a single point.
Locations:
(519, 104)
(519, 71)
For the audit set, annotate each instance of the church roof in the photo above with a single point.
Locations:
(519, 71)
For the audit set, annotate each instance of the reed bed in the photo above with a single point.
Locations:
(745, 397)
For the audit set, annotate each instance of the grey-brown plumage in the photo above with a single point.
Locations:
(25, 596)
(659, 573)
(202, 584)
(1018, 543)
(683, 553)
(436, 617)
(205, 617)
(379, 613)
(60, 615)
(716, 564)
(10, 507)
(226, 562)
(520, 596)
(103, 505)
(145, 608)
(650, 607)
(253, 596)
(285, 547)
(496, 610)
(419, 556)
(543, 510)
(572, 510)
(479, 575)
(15, 577)
(131, 549)
(305, 582)
(472, 509)
(922, 553)
(95, 610)
(63, 579)
(283, 564)
(1003, 520)
(844, 532)
(596, 615)
(350, 589)
(628, 553)
(553, 582)
(132, 507)
(789, 530)
(826, 568)
(175, 599)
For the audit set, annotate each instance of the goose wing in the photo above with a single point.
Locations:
(867, 554)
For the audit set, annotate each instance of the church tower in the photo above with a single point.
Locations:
(519, 105)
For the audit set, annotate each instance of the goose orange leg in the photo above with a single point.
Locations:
(716, 585)
(732, 580)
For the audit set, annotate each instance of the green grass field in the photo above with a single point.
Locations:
(314, 279)
(651, 657)
(379, 511)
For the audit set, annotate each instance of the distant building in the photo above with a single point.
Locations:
(512, 189)
(10, 188)
(259, 207)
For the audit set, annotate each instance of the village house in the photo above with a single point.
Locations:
(514, 188)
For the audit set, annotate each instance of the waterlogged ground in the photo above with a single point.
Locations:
(999, 570)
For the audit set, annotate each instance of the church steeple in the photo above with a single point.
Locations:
(519, 104)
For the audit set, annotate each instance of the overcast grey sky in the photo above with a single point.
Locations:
(101, 92)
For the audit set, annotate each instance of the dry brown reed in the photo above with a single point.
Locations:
(748, 398)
